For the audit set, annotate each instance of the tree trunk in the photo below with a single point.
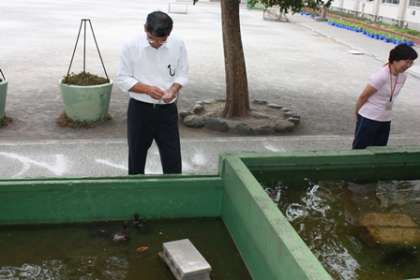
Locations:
(237, 98)
(324, 11)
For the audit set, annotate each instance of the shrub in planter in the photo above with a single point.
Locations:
(86, 96)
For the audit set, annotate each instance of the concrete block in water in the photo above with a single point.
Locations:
(390, 229)
(185, 261)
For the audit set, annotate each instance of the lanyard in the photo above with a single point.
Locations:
(392, 87)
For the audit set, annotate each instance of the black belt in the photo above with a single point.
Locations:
(154, 105)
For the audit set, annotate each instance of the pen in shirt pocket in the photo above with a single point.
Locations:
(171, 72)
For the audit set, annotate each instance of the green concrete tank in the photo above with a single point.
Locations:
(267, 242)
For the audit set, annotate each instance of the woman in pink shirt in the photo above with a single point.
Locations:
(374, 105)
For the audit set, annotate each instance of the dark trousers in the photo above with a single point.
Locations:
(370, 133)
(147, 122)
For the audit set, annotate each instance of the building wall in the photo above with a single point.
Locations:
(389, 11)
(413, 17)
(369, 8)
(348, 4)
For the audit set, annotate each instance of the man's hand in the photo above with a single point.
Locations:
(155, 92)
(170, 95)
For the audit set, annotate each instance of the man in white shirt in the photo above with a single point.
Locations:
(153, 69)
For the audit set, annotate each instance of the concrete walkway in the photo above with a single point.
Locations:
(83, 158)
(304, 65)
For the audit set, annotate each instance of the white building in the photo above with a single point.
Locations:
(403, 12)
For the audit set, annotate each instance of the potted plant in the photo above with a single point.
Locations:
(3, 93)
(86, 96)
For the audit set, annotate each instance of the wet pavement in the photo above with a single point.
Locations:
(95, 157)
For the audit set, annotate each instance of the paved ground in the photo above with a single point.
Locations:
(81, 158)
(304, 65)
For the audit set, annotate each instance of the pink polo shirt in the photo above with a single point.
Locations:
(375, 107)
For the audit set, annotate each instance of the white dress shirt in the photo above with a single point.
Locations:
(162, 67)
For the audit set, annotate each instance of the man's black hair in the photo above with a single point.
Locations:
(402, 52)
(159, 24)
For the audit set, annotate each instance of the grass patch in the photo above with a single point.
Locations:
(65, 122)
(402, 30)
(5, 121)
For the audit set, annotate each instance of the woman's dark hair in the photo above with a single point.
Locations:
(159, 24)
(402, 52)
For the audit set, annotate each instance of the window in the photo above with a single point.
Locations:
(391, 1)
(415, 3)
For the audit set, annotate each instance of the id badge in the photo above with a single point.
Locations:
(388, 106)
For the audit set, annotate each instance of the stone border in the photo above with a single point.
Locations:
(258, 123)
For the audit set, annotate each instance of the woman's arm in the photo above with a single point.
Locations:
(367, 92)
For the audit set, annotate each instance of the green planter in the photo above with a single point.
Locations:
(3, 93)
(86, 103)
